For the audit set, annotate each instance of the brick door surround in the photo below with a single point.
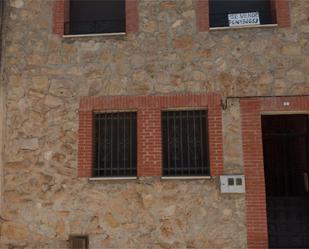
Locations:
(251, 111)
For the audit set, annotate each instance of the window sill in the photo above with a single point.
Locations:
(93, 179)
(245, 27)
(186, 177)
(95, 35)
(112, 178)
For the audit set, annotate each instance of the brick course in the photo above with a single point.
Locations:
(59, 11)
(251, 111)
(132, 16)
(282, 9)
(149, 128)
(202, 15)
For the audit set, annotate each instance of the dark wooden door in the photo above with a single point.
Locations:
(286, 148)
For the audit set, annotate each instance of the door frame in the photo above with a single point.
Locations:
(252, 110)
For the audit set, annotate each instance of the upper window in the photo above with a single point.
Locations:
(185, 143)
(115, 145)
(225, 13)
(96, 16)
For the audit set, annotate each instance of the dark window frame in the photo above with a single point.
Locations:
(177, 170)
(115, 164)
(84, 21)
(219, 10)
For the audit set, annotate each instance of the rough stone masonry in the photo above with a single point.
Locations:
(44, 77)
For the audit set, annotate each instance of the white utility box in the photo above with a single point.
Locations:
(232, 184)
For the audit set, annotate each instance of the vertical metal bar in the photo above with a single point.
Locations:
(105, 144)
(163, 136)
(188, 144)
(201, 140)
(181, 141)
(111, 149)
(118, 131)
(168, 141)
(194, 140)
(124, 143)
(95, 146)
(175, 142)
(98, 123)
(130, 143)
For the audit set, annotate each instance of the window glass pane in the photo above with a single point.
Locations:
(219, 10)
(96, 16)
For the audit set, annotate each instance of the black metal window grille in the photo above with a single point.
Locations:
(115, 142)
(185, 143)
(219, 10)
(96, 16)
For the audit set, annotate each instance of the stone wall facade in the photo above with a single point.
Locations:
(46, 75)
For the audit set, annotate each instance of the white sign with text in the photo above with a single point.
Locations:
(241, 19)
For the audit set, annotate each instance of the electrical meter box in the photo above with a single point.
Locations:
(232, 184)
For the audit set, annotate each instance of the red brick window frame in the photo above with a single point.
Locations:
(149, 145)
(251, 112)
(61, 14)
(279, 7)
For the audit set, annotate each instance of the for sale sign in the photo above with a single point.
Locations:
(241, 19)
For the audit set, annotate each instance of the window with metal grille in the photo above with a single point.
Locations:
(219, 10)
(96, 16)
(185, 143)
(78, 242)
(115, 142)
